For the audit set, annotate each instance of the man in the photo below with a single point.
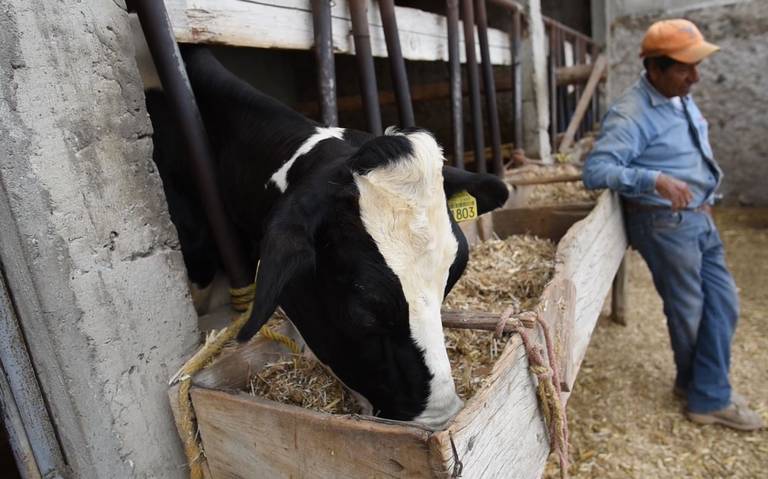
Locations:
(654, 150)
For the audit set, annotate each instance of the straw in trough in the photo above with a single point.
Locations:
(500, 273)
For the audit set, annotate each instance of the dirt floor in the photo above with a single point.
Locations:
(625, 421)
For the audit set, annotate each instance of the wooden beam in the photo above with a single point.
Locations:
(288, 25)
(575, 74)
(584, 102)
(619, 294)
(484, 321)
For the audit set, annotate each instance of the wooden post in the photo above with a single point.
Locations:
(619, 294)
(584, 103)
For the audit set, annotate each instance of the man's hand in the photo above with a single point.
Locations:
(674, 190)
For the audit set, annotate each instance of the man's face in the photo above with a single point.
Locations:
(676, 80)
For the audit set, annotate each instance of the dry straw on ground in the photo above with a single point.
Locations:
(625, 421)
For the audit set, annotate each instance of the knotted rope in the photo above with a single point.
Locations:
(242, 301)
(548, 383)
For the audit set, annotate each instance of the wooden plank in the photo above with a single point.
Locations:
(288, 25)
(585, 101)
(500, 432)
(575, 74)
(558, 310)
(589, 255)
(619, 294)
(544, 221)
(482, 320)
(247, 436)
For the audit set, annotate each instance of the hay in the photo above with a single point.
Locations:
(555, 193)
(562, 193)
(303, 382)
(500, 273)
(503, 273)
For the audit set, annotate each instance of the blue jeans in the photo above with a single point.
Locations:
(686, 258)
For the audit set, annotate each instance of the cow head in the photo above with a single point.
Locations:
(360, 256)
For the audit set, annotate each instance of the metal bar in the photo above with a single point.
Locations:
(326, 69)
(578, 58)
(17, 437)
(551, 67)
(562, 92)
(396, 63)
(457, 98)
(165, 53)
(515, 6)
(358, 10)
(490, 88)
(517, 78)
(595, 109)
(468, 19)
(37, 435)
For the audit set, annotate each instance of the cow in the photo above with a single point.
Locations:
(353, 233)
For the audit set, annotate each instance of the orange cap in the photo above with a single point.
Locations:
(678, 39)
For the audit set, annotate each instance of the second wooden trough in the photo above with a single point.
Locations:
(499, 433)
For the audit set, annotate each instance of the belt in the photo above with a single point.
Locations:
(635, 207)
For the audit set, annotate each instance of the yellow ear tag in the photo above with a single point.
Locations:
(463, 206)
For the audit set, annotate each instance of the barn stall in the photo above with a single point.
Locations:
(199, 33)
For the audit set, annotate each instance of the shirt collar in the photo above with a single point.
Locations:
(654, 95)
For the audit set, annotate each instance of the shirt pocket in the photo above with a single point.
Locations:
(666, 220)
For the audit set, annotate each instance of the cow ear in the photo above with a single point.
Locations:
(489, 191)
(287, 251)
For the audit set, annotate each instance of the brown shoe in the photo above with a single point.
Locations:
(736, 398)
(734, 416)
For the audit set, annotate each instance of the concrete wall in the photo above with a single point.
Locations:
(89, 252)
(733, 92)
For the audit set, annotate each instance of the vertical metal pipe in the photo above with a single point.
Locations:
(552, 66)
(489, 86)
(165, 53)
(517, 78)
(28, 423)
(562, 92)
(358, 10)
(457, 98)
(579, 58)
(468, 18)
(396, 63)
(595, 109)
(326, 69)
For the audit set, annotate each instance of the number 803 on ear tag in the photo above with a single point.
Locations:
(463, 206)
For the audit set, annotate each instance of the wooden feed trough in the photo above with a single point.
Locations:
(498, 434)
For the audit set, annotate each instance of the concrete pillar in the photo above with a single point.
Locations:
(535, 85)
(86, 244)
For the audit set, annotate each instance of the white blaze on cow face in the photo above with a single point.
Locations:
(280, 177)
(403, 208)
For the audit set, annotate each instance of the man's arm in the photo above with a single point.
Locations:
(607, 165)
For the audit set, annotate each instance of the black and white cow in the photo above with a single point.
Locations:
(353, 232)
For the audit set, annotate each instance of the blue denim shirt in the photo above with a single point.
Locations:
(642, 135)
